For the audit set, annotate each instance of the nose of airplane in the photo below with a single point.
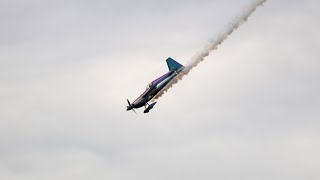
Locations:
(129, 108)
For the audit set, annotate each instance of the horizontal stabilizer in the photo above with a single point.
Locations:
(173, 65)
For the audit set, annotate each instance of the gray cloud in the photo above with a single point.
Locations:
(250, 111)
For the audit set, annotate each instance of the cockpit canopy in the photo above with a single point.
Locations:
(149, 85)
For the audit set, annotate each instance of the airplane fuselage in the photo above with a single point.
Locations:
(156, 86)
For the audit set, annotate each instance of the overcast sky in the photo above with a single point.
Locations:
(250, 111)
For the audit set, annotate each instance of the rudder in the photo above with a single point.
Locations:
(173, 65)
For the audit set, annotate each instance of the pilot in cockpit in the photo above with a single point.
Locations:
(149, 86)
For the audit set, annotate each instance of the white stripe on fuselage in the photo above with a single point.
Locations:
(165, 80)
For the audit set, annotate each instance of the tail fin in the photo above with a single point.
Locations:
(173, 65)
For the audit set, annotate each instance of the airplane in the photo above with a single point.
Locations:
(155, 87)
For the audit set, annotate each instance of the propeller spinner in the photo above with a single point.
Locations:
(130, 107)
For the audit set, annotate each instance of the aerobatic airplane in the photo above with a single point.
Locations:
(155, 87)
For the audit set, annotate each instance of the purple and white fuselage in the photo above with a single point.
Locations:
(156, 86)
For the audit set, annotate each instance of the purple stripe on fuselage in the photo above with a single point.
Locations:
(157, 81)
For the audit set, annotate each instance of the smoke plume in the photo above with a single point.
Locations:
(213, 45)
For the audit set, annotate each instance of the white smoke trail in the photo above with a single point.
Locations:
(213, 45)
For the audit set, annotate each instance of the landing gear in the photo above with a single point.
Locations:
(149, 107)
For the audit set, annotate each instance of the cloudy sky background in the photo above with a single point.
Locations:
(249, 111)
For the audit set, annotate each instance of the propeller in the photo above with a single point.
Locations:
(130, 107)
